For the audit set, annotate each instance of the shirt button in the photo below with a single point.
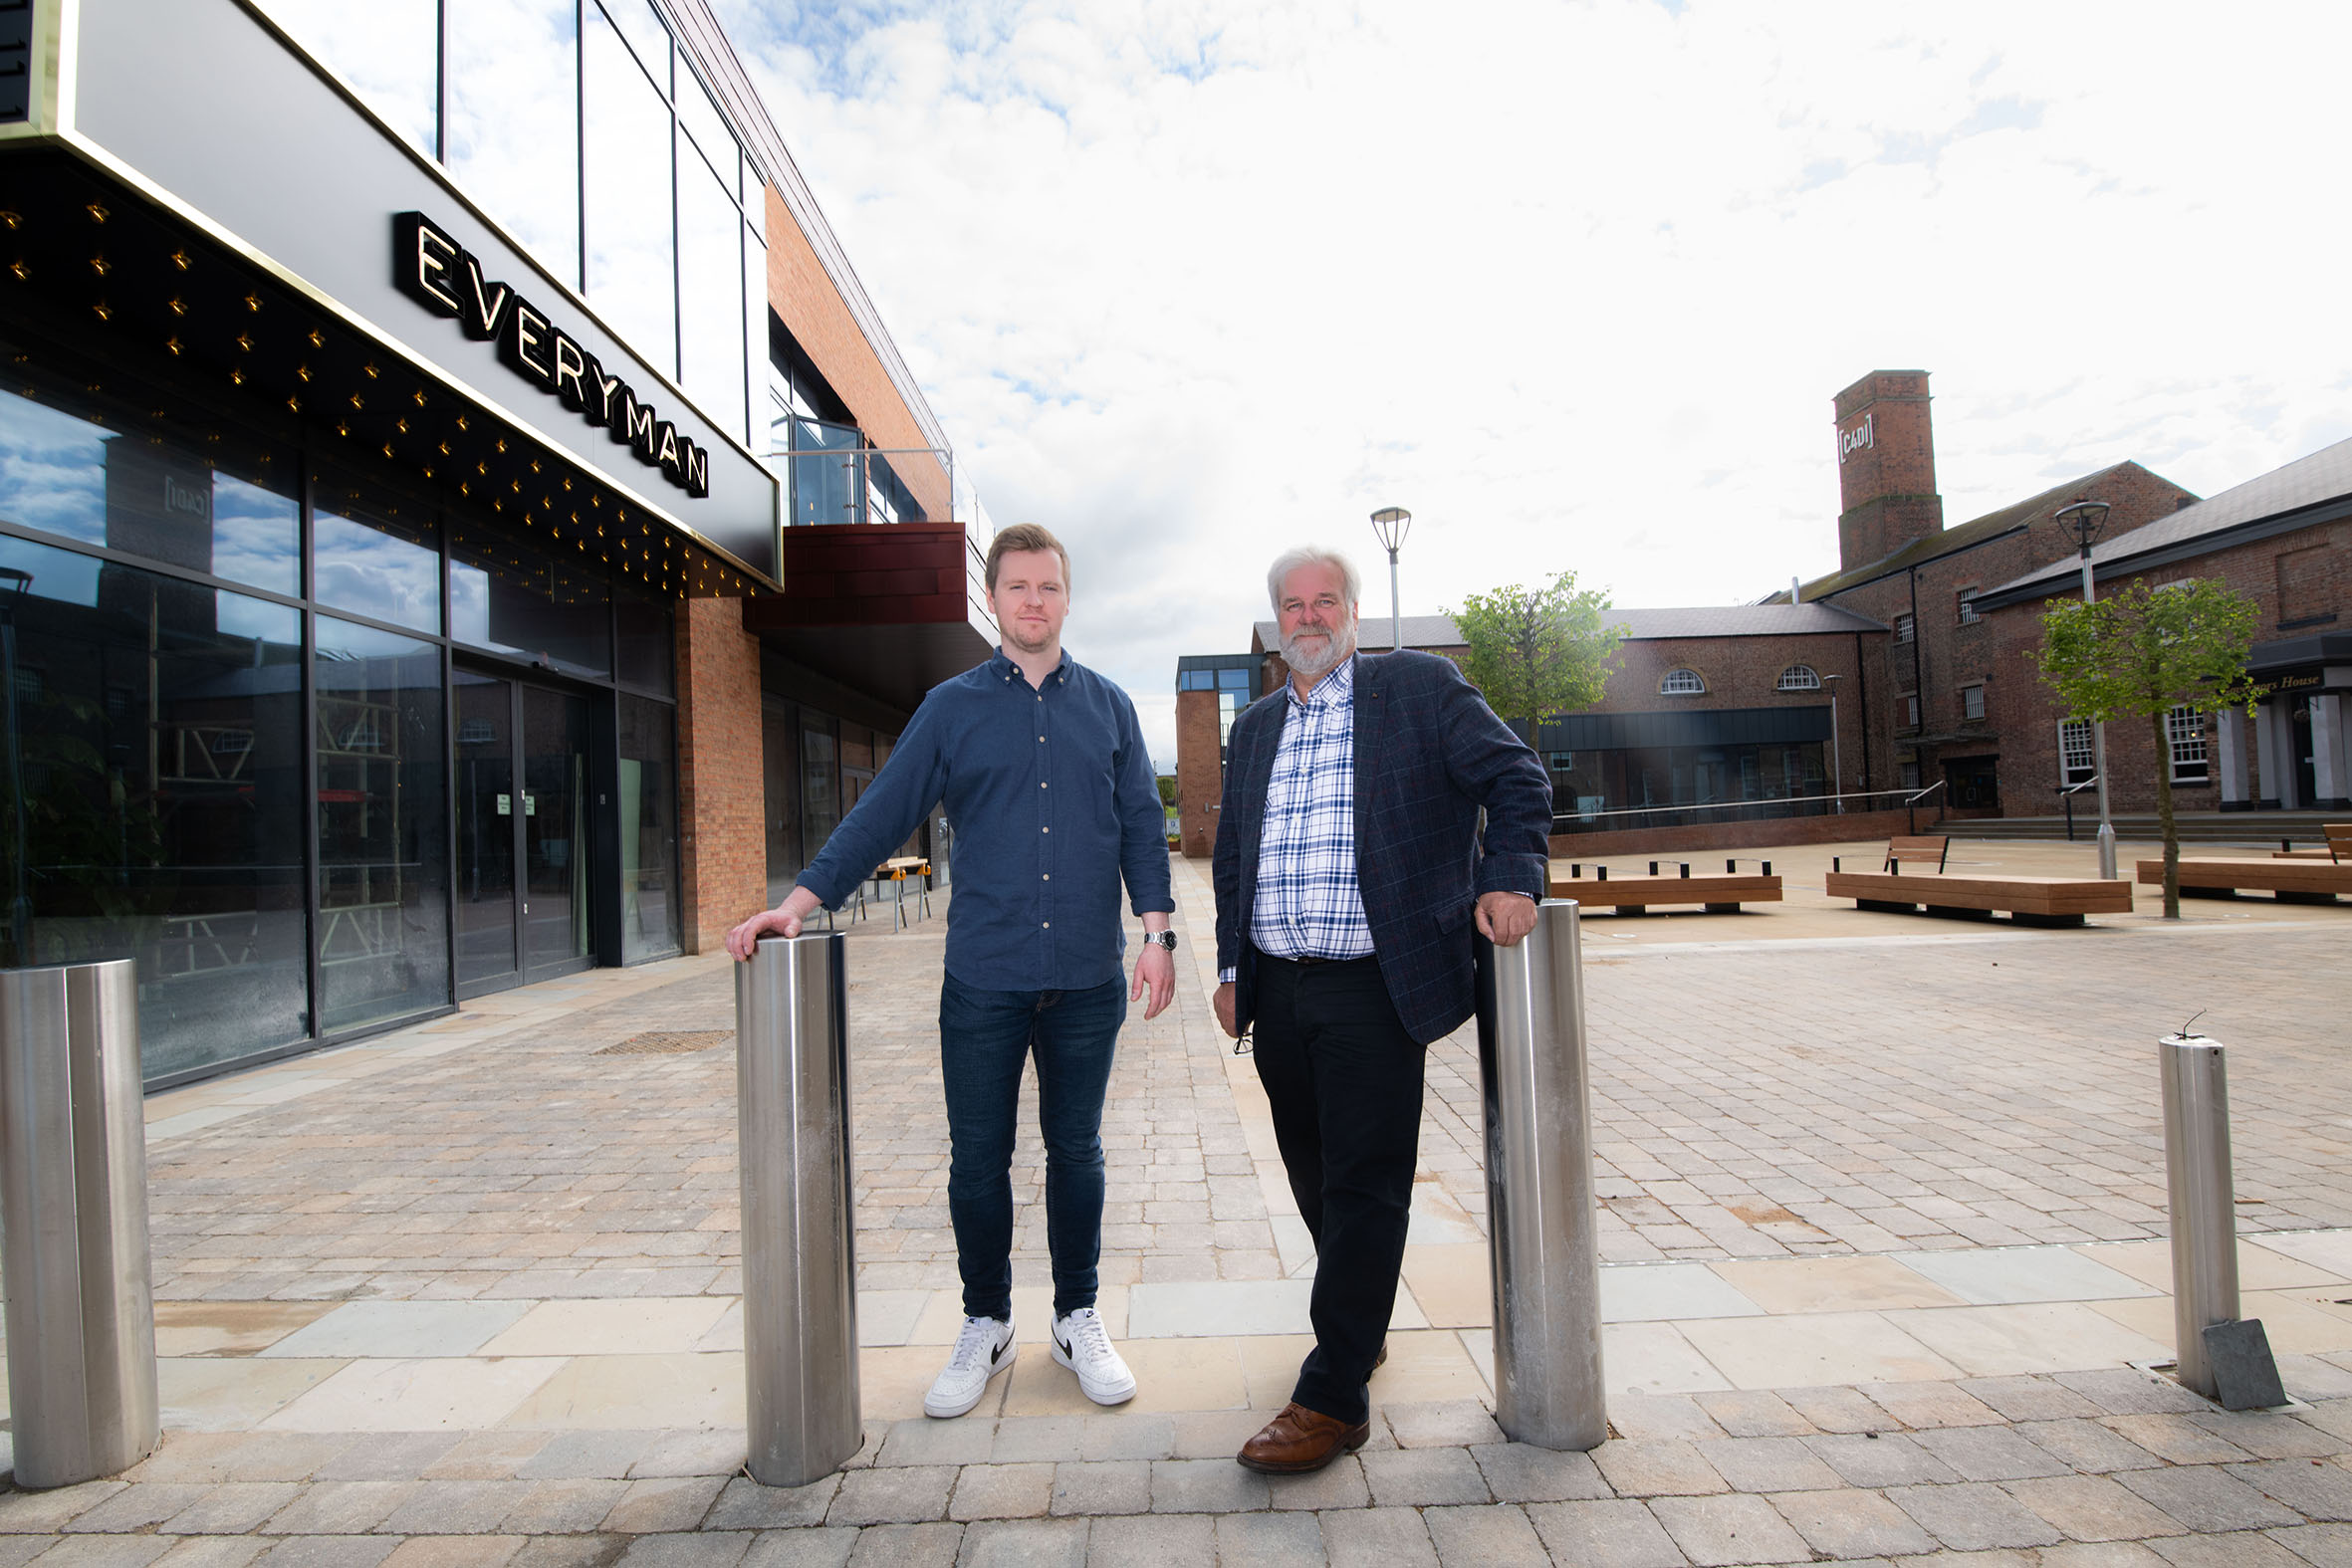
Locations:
(1048, 876)
(1041, 784)
(1049, 925)
(1044, 829)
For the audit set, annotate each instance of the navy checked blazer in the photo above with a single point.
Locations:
(1429, 753)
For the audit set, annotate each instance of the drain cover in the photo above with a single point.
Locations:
(668, 1043)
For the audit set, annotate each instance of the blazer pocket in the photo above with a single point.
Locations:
(1455, 919)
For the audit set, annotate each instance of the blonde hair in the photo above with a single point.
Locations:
(1024, 537)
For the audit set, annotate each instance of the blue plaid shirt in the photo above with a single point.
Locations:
(1308, 902)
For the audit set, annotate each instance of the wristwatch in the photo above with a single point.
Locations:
(1162, 938)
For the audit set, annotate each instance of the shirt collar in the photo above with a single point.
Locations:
(1004, 668)
(1335, 690)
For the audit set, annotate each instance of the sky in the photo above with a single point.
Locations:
(1194, 281)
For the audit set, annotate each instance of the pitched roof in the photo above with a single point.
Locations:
(1704, 620)
(2269, 503)
(1958, 536)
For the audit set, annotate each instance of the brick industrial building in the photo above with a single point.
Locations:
(1906, 668)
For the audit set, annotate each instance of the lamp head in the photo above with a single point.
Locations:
(1389, 525)
(2084, 519)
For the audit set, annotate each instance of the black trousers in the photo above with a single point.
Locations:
(1344, 1080)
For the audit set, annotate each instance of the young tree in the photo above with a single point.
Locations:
(2144, 652)
(1539, 651)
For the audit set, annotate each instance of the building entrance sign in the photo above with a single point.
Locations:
(446, 279)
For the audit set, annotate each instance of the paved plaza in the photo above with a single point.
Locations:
(1882, 1204)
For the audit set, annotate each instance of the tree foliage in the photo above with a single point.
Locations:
(2142, 652)
(1539, 651)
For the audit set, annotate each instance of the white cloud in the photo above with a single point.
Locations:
(1192, 282)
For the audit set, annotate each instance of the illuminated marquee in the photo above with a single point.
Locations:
(446, 279)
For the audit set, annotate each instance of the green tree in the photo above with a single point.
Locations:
(1539, 651)
(2142, 653)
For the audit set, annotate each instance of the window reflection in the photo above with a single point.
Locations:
(779, 788)
(159, 759)
(820, 808)
(505, 595)
(710, 292)
(384, 881)
(371, 562)
(648, 38)
(630, 275)
(513, 99)
(647, 642)
(649, 912)
(700, 119)
(69, 476)
(384, 49)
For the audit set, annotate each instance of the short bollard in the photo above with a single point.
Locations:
(81, 1306)
(800, 1267)
(1548, 1389)
(2204, 1207)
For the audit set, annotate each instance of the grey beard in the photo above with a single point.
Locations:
(1338, 646)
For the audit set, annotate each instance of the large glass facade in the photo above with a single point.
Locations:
(244, 786)
(586, 136)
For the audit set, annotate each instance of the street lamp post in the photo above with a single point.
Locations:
(1837, 760)
(2084, 519)
(1390, 524)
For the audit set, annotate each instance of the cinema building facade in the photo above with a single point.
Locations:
(462, 520)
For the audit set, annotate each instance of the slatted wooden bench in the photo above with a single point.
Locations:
(1718, 893)
(2337, 849)
(2027, 900)
(2289, 881)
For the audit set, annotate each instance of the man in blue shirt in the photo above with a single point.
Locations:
(1052, 800)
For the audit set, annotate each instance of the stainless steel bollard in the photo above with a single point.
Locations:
(799, 1264)
(2203, 1198)
(1548, 1389)
(81, 1304)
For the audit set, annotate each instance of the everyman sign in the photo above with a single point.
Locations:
(446, 279)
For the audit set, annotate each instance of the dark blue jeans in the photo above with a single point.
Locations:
(985, 1037)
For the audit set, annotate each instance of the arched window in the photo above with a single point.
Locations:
(1800, 678)
(1681, 683)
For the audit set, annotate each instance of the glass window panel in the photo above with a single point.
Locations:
(647, 642)
(514, 126)
(629, 219)
(780, 787)
(383, 894)
(702, 120)
(820, 800)
(377, 560)
(649, 38)
(757, 372)
(507, 596)
(710, 293)
(384, 49)
(649, 912)
(66, 474)
(157, 754)
(824, 472)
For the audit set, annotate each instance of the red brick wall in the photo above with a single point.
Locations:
(802, 294)
(722, 838)
(1948, 655)
(1743, 672)
(1886, 467)
(1199, 777)
(2027, 714)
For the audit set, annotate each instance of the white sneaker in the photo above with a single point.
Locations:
(984, 1349)
(1082, 1344)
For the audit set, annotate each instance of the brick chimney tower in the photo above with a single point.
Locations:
(1886, 467)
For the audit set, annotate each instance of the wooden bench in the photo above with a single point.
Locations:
(2027, 900)
(2289, 881)
(2337, 850)
(1718, 894)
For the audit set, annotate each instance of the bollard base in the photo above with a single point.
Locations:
(2245, 1377)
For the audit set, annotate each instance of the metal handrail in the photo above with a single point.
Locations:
(2067, 795)
(1907, 797)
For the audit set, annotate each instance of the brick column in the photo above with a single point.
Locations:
(722, 834)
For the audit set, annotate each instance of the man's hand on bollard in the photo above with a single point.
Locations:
(1156, 968)
(1224, 1004)
(1503, 918)
(782, 921)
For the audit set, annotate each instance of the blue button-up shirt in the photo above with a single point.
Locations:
(1309, 904)
(1052, 800)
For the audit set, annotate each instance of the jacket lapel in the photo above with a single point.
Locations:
(1371, 724)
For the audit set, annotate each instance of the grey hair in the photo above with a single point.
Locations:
(1291, 560)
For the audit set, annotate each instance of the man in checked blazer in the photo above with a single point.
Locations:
(1349, 877)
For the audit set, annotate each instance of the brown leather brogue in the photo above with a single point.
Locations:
(1300, 1441)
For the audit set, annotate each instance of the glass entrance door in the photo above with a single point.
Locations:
(553, 823)
(523, 892)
